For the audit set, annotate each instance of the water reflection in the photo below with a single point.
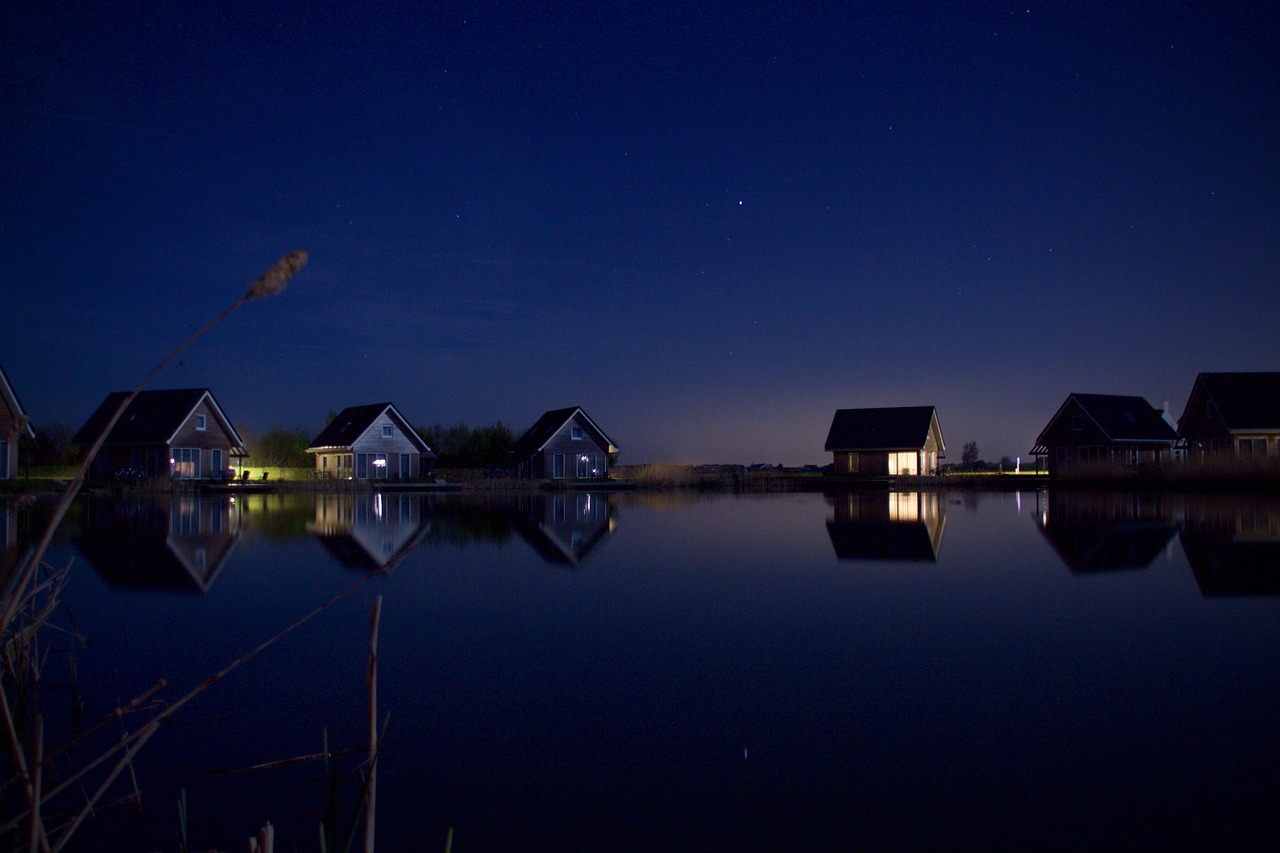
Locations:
(366, 531)
(1105, 531)
(1232, 542)
(1233, 545)
(565, 527)
(904, 526)
(8, 541)
(179, 545)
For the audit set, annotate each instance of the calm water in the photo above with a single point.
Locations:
(604, 672)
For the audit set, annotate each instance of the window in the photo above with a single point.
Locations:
(386, 430)
(584, 466)
(379, 463)
(215, 464)
(1077, 422)
(575, 433)
(202, 423)
(185, 463)
(557, 466)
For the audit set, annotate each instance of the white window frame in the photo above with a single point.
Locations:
(202, 423)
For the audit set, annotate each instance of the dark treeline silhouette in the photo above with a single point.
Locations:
(460, 446)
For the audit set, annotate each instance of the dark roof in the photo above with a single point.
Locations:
(536, 436)
(1245, 400)
(1120, 418)
(14, 402)
(900, 428)
(351, 423)
(152, 418)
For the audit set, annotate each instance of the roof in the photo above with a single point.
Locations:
(354, 421)
(154, 417)
(536, 437)
(1244, 400)
(11, 397)
(895, 428)
(1122, 419)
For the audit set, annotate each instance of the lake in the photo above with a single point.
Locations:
(681, 671)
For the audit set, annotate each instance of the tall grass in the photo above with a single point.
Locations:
(27, 604)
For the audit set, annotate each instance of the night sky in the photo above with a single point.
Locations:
(710, 225)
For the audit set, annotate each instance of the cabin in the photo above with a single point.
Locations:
(14, 424)
(1236, 414)
(565, 444)
(372, 442)
(1104, 431)
(904, 441)
(181, 433)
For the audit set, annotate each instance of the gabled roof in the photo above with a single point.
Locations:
(354, 421)
(1244, 400)
(154, 417)
(894, 428)
(1121, 419)
(11, 397)
(536, 437)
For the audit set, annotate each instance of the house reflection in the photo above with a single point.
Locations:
(178, 545)
(367, 531)
(564, 527)
(1233, 544)
(9, 555)
(895, 526)
(1105, 531)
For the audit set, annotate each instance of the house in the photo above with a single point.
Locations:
(181, 433)
(1104, 430)
(564, 444)
(904, 441)
(1236, 413)
(372, 442)
(14, 424)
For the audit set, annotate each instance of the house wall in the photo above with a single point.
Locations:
(212, 437)
(9, 433)
(590, 444)
(359, 460)
(1256, 444)
(1072, 439)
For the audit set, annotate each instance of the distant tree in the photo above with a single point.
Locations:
(281, 448)
(460, 446)
(51, 446)
(487, 446)
(969, 456)
(1007, 463)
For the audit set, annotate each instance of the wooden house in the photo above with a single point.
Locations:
(372, 442)
(564, 444)
(1232, 413)
(904, 441)
(1097, 431)
(14, 424)
(181, 433)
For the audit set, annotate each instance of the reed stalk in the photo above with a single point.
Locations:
(371, 797)
(23, 591)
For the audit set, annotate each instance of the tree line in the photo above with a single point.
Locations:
(457, 446)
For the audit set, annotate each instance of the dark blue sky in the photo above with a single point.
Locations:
(710, 225)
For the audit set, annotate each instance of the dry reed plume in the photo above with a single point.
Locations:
(27, 606)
